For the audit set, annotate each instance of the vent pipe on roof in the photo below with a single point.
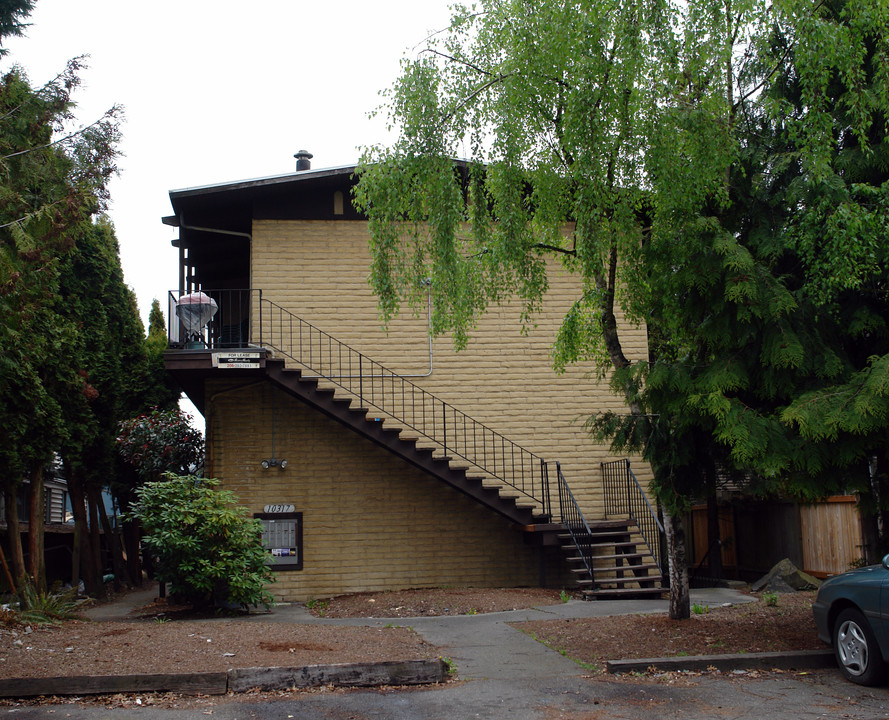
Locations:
(303, 160)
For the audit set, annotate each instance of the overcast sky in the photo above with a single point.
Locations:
(216, 90)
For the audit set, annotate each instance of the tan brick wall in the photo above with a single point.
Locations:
(318, 270)
(371, 521)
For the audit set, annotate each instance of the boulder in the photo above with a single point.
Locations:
(785, 577)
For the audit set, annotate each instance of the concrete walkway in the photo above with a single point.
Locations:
(506, 674)
(486, 646)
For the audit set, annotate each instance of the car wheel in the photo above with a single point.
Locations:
(855, 647)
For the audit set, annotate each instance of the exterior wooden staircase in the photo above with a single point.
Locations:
(610, 558)
(623, 566)
(499, 497)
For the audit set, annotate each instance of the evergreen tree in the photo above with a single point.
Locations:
(108, 354)
(160, 389)
(12, 16)
(52, 185)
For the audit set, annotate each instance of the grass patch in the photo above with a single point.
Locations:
(592, 667)
(319, 606)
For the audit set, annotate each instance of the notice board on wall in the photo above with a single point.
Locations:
(282, 537)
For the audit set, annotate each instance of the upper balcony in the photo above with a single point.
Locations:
(212, 319)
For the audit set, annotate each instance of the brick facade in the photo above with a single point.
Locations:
(318, 270)
(371, 521)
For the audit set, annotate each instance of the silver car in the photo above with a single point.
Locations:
(852, 613)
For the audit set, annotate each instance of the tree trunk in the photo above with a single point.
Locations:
(6, 573)
(94, 497)
(36, 521)
(680, 605)
(14, 534)
(131, 535)
(85, 569)
(113, 541)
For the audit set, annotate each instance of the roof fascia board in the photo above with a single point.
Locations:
(271, 181)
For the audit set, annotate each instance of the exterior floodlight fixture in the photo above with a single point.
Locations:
(272, 462)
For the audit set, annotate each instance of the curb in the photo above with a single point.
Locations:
(406, 672)
(804, 660)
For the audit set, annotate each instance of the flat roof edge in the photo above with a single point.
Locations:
(296, 176)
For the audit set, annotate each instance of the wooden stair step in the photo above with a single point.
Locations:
(602, 582)
(623, 556)
(619, 556)
(573, 547)
(527, 504)
(598, 571)
(632, 568)
(623, 592)
(614, 530)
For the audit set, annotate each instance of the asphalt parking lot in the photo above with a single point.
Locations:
(777, 696)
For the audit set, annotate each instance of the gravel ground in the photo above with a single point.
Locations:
(757, 626)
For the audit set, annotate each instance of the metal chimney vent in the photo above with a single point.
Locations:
(303, 160)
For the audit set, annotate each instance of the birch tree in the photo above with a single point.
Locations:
(654, 148)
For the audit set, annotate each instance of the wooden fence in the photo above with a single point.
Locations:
(822, 539)
(831, 535)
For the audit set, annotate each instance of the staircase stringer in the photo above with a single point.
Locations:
(486, 454)
(341, 410)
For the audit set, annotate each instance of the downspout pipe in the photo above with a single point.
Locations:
(234, 233)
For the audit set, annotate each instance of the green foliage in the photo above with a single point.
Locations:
(715, 170)
(207, 548)
(770, 599)
(700, 609)
(54, 185)
(160, 441)
(12, 16)
(42, 608)
(160, 389)
(105, 354)
(320, 606)
(156, 323)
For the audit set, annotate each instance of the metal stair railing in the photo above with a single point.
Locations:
(573, 520)
(624, 496)
(435, 421)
